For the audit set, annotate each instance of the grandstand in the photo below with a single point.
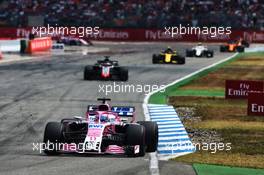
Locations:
(239, 14)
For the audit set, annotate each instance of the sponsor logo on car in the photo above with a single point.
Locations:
(96, 126)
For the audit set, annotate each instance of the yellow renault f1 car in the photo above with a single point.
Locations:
(168, 57)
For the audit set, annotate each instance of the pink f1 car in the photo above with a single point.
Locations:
(104, 130)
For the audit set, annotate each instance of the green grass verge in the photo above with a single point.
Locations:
(161, 97)
(204, 169)
(194, 92)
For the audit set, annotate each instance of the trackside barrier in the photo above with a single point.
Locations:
(253, 36)
(7, 45)
(39, 45)
(254, 49)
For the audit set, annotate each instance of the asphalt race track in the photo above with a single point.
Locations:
(35, 92)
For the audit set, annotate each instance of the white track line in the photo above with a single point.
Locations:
(172, 129)
(162, 113)
(172, 133)
(170, 126)
(174, 137)
(164, 119)
(153, 158)
(169, 122)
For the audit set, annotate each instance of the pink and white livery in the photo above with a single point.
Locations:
(104, 130)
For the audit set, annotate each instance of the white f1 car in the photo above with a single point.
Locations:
(199, 50)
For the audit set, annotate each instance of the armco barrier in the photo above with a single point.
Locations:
(145, 35)
(10, 45)
(255, 49)
(39, 44)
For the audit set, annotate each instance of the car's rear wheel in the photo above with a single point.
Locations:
(135, 136)
(87, 74)
(190, 53)
(245, 43)
(154, 59)
(52, 138)
(73, 43)
(240, 49)
(181, 60)
(209, 54)
(123, 74)
(223, 48)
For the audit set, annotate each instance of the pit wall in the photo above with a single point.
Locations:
(25, 45)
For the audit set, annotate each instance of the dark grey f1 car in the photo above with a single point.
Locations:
(105, 70)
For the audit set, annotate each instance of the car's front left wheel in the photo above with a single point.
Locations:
(52, 138)
(135, 140)
(151, 138)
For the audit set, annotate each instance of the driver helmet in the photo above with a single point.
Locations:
(168, 50)
(106, 59)
(200, 44)
(111, 118)
(104, 118)
(92, 118)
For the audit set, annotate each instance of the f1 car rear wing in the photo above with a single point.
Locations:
(113, 62)
(123, 111)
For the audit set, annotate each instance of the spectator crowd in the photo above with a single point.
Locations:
(135, 13)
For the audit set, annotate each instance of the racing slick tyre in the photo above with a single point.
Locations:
(74, 43)
(181, 60)
(190, 53)
(52, 138)
(245, 43)
(209, 54)
(223, 48)
(240, 49)
(123, 74)
(151, 138)
(88, 73)
(155, 59)
(135, 135)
